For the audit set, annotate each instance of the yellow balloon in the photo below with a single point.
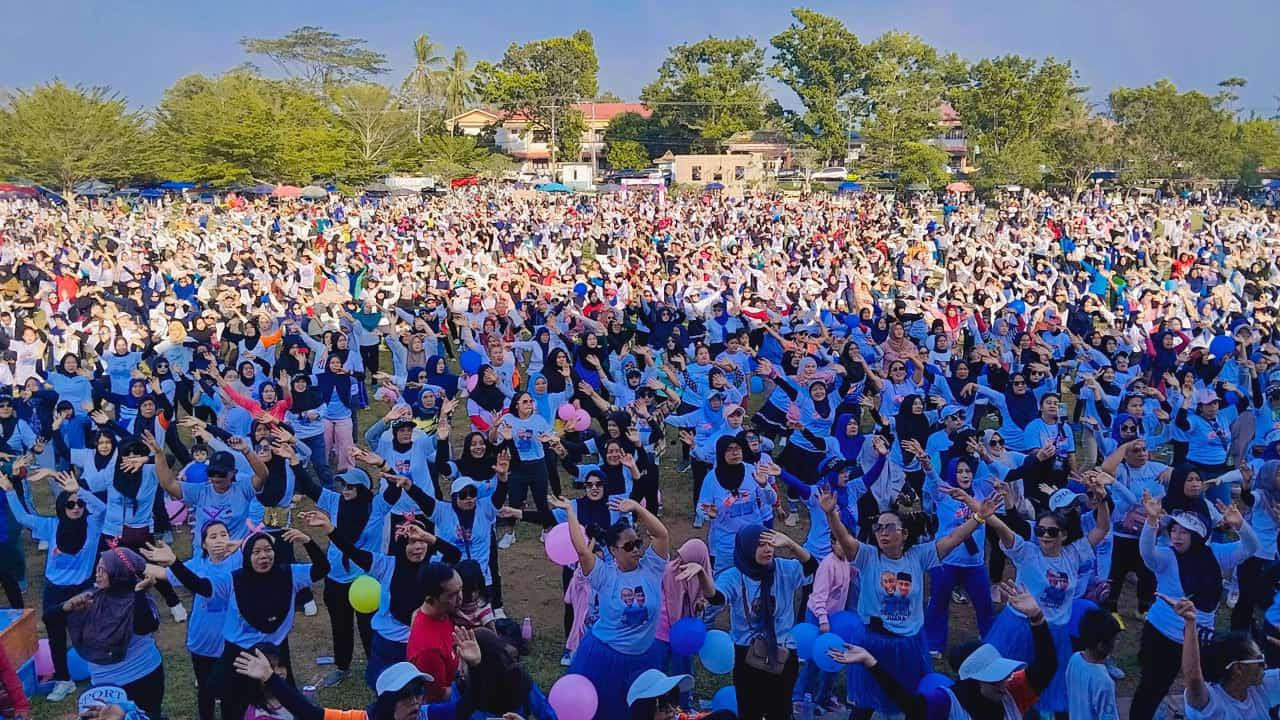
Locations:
(365, 594)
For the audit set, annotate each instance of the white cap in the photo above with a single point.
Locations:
(396, 677)
(654, 683)
(1191, 521)
(987, 665)
(1062, 498)
(461, 484)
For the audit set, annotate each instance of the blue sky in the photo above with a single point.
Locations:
(140, 48)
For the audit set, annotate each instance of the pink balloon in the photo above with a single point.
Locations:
(567, 412)
(471, 382)
(177, 511)
(559, 545)
(44, 659)
(582, 421)
(573, 697)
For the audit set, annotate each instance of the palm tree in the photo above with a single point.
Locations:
(455, 84)
(420, 86)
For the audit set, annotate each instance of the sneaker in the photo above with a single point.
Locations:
(958, 597)
(1114, 671)
(684, 467)
(179, 613)
(995, 594)
(833, 704)
(61, 689)
(506, 541)
(698, 521)
(1233, 597)
(543, 537)
(792, 520)
(43, 545)
(935, 654)
(566, 658)
(333, 677)
(310, 611)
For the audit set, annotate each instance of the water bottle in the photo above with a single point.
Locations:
(526, 629)
(309, 692)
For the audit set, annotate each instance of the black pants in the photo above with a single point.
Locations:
(147, 692)
(206, 699)
(1160, 659)
(1125, 557)
(1255, 592)
(528, 476)
(369, 354)
(996, 559)
(55, 623)
(699, 471)
(341, 617)
(566, 577)
(553, 474)
(762, 696)
(645, 489)
(495, 590)
(12, 590)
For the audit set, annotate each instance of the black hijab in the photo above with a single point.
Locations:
(265, 599)
(594, 514)
(551, 369)
(405, 590)
(488, 397)
(1176, 500)
(729, 476)
(1200, 574)
(308, 399)
(480, 468)
(71, 534)
(744, 559)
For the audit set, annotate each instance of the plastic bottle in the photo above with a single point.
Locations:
(526, 629)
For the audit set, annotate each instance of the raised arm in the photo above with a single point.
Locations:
(981, 513)
(658, 534)
(582, 546)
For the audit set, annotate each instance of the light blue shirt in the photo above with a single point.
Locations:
(742, 593)
(628, 603)
(893, 590)
(235, 629)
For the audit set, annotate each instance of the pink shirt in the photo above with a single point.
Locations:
(830, 587)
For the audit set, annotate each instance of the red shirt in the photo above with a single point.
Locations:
(431, 651)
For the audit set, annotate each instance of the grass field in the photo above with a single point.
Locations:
(531, 588)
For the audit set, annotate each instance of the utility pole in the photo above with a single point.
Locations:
(553, 142)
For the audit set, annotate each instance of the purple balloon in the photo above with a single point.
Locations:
(573, 697)
(559, 545)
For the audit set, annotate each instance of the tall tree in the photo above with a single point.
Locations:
(419, 89)
(1168, 134)
(627, 154)
(376, 124)
(713, 87)
(1258, 143)
(650, 132)
(541, 79)
(455, 84)
(61, 135)
(905, 82)
(827, 67)
(1011, 98)
(319, 57)
(921, 164)
(1081, 145)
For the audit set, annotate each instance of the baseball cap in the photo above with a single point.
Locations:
(732, 408)
(986, 665)
(461, 484)
(221, 463)
(1191, 521)
(1206, 397)
(401, 424)
(1063, 498)
(950, 410)
(398, 676)
(655, 683)
(356, 476)
(99, 696)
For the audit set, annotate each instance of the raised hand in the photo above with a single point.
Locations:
(316, 519)
(1019, 599)
(826, 500)
(556, 501)
(159, 553)
(1152, 505)
(506, 512)
(776, 539)
(852, 655)
(688, 570)
(1231, 516)
(150, 441)
(624, 505)
(1182, 607)
(255, 665)
(295, 536)
(464, 641)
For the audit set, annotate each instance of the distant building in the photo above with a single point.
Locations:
(515, 135)
(951, 139)
(772, 146)
(733, 171)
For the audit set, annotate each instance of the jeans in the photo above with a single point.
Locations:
(945, 578)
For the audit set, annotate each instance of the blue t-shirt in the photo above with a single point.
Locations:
(208, 614)
(952, 513)
(473, 541)
(61, 568)
(231, 508)
(1039, 433)
(526, 433)
(1052, 580)
(235, 629)
(141, 657)
(133, 512)
(741, 594)
(893, 590)
(340, 569)
(383, 622)
(628, 602)
(734, 511)
(1207, 441)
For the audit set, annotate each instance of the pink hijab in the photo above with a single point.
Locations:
(680, 596)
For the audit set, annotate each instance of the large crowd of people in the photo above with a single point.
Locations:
(871, 410)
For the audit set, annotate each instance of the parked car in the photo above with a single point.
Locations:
(835, 172)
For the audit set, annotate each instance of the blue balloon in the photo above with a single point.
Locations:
(757, 384)
(726, 698)
(717, 652)
(470, 361)
(687, 636)
(1222, 346)
(845, 624)
(804, 634)
(580, 289)
(933, 681)
(825, 642)
(76, 666)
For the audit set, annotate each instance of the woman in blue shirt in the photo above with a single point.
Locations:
(760, 592)
(72, 536)
(964, 567)
(628, 584)
(735, 495)
(526, 430)
(259, 600)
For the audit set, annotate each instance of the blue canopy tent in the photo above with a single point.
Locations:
(1103, 175)
(715, 186)
(1273, 184)
(50, 195)
(175, 186)
(848, 186)
(552, 187)
(259, 189)
(151, 193)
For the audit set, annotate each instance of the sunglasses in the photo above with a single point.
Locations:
(1048, 531)
(886, 527)
(1249, 661)
(996, 442)
(1019, 382)
(593, 484)
(632, 546)
(72, 504)
(467, 493)
(1129, 428)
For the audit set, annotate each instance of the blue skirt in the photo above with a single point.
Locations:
(905, 658)
(1011, 635)
(613, 672)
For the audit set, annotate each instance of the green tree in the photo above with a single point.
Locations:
(540, 80)
(712, 88)
(1014, 99)
(921, 164)
(650, 132)
(1168, 134)
(61, 135)
(904, 87)
(608, 96)
(452, 156)
(376, 126)
(1020, 162)
(1258, 143)
(455, 84)
(419, 89)
(318, 57)
(827, 67)
(627, 154)
(1081, 145)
